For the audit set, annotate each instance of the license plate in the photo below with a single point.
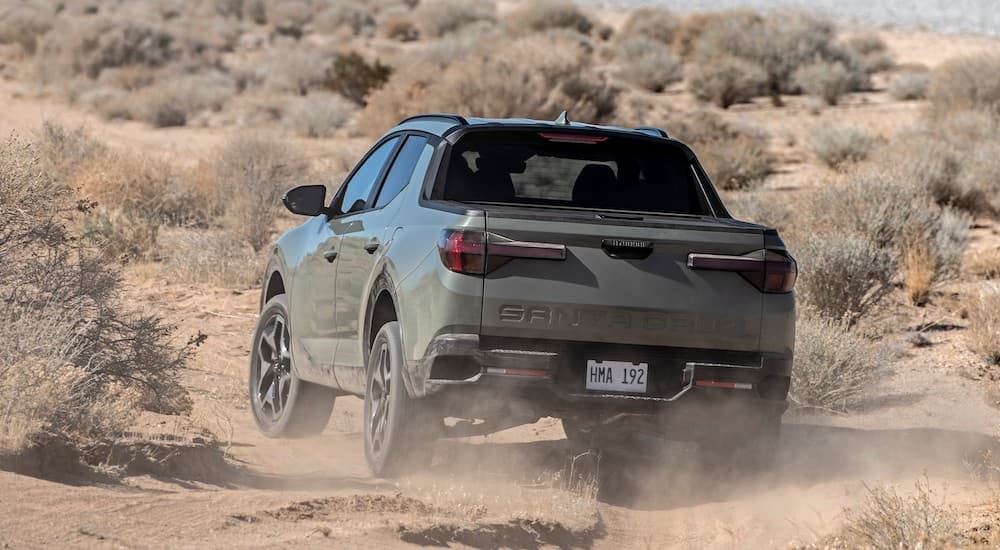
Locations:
(620, 376)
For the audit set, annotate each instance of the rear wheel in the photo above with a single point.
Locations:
(282, 404)
(397, 429)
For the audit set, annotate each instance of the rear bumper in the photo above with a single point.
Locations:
(478, 377)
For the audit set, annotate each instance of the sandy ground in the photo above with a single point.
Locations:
(931, 416)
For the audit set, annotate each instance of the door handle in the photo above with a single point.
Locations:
(330, 255)
(372, 246)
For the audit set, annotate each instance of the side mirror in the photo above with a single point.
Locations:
(306, 200)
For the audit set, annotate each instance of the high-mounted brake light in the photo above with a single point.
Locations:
(572, 138)
(771, 271)
(477, 252)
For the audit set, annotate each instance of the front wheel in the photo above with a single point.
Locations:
(397, 433)
(282, 404)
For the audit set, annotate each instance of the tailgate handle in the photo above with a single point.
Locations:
(627, 249)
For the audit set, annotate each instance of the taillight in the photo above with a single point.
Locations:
(477, 252)
(771, 271)
(463, 251)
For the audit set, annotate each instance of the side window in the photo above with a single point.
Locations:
(415, 152)
(359, 187)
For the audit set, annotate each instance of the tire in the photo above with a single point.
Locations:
(751, 450)
(397, 429)
(282, 404)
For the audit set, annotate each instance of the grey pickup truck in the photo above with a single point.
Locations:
(472, 274)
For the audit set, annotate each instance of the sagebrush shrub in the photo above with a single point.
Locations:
(735, 156)
(760, 207)
(654, 23)
(211, 257)
(726, 80)
(253, 172)
(548, 14)
(648, 64)
(909, 86)
(398, 26)
(843, 277)
(23, 24)
(826, 80)
(967, 83)
(888, 520)
(88, 46)
(81, 364)
(872, 52)
(318, 115)
(834, 365)
(353, 16)
(436, 18)
(836, 146)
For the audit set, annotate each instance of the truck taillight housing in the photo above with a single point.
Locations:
(463, 251)
(771, 271)
(477, 252)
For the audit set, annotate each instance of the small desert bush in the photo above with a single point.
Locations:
(726, 80)
(779, 44)
(764, 208)
(843, 277)
(735, 156)
(984, 323)
(887, 520)
(834, 365)
(919, 269)
(872, 52)
(436, 18)
(648, 64)
(88, 46)
(211, 257)
(654, 23)
(548, 14)
(293, 70)
(23, 24)
(836, 146)
(909, 86)
(355, 17)
(253, 172)
(967, 83)
(354, 78)
(399, 26)
(318, 115)
(924, 262)
(81, 363)
(176, 100)
(828, 80)
(536, 76)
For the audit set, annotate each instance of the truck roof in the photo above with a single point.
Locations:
(442, 124)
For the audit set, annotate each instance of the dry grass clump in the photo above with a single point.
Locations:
(968, 83)
(534, 76)
(984, 323)
(654, 23)
(836, 146)
(436, 18)
(919, 269)
(318, 115)
(985, 264)
(548, 14)
(834, 365)
(648, 63)
(726, 81)
(80, 363)
(253, 172)
(910, 85)
(211, 257)
(887, 520)
(843, 277)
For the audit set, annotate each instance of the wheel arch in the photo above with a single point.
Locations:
(382, 308)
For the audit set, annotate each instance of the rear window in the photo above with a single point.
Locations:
(555, 169)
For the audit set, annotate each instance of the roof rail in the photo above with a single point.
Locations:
(652, 131)
(454, 118)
